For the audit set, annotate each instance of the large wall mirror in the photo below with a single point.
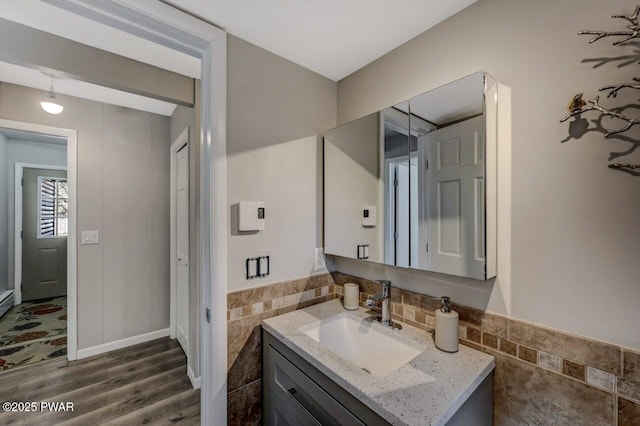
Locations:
(414, 185)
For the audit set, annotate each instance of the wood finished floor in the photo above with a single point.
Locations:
(139, 385)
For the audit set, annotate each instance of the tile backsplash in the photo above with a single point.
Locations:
(245, 311)
(542, 375)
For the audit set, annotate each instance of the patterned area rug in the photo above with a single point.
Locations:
(32, 332)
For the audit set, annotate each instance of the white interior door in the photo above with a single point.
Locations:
(402, 214)
(182, 248)
(455, 199)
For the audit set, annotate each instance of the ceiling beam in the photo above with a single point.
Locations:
(32, 48)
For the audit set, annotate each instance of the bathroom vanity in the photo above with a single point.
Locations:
(324, 365)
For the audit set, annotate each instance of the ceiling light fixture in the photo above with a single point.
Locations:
(50, 102)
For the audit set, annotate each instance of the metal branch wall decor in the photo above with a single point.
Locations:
(579, 106)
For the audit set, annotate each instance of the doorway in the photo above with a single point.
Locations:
(40, 202)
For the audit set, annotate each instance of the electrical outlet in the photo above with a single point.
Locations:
(318, 259)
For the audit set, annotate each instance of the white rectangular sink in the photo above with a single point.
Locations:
(364, 343)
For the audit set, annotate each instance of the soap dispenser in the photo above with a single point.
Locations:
(446, 327)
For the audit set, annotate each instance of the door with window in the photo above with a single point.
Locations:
(45, 201)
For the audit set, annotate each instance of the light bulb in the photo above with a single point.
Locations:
(51, 105)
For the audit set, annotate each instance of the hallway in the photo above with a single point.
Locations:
(32, 332)
(142, 384)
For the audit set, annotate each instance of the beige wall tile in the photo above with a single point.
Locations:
(586, 351)
(528, 354)
(474, 335)
(244, 405)
(526, 394)
(508, 347)
(628, 413)
(629, 382)
(490, 340)
(494, 324)
(573, 369)
(601, 379)
(235, 313)
(257, 308)
(253, 295)
(550, 361)
(244, 350)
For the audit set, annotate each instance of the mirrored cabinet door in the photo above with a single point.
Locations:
(352, 177)
(414, 185)
(450, 181)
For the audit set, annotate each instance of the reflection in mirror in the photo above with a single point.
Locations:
(450, 193)
(396, 165)
(352, 176)
(408, 186)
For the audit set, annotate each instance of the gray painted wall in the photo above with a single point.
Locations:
(353, 179)
(575, 222)
(19, 151)
(276, 112)
(4, 216)
(123, 191)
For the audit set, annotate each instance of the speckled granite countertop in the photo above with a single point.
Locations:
(407, 396)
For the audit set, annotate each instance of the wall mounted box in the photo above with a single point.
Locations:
(369, 216)
(251, 216)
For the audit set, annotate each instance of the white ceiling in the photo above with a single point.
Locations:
(331, 37)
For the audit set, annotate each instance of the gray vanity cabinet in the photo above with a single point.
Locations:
(295, 393)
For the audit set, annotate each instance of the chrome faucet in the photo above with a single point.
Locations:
(385, 297)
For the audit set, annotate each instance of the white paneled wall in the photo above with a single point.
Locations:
(123, 192)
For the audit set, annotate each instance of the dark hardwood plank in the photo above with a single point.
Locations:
(168, 411)
(58, 366)
(47, 387)
(142, 383)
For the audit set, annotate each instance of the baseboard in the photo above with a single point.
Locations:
(122, 343)
(6, 301)
(195, 381)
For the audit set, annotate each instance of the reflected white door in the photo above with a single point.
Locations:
(402, 214)
(455, 198)
(182, 248)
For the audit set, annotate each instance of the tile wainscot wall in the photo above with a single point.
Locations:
(542, 376)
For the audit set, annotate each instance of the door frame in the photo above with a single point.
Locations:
(72, 248)
(17, 221)
(168, 26)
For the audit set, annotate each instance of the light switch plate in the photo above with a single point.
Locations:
(90, 237)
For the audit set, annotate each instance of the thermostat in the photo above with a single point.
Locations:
(369, 216)
(251, 216)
